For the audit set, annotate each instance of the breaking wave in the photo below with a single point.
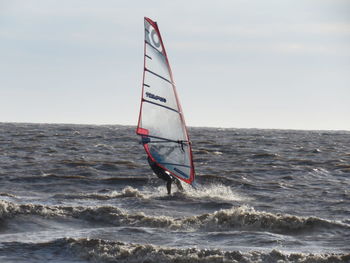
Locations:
(111, 251)
(217, 192)
(126, 192)
(246, 218)
(212, 192)
(102, 214)
(238, 218)
(97, 250)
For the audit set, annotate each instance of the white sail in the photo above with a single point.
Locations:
(161, 123)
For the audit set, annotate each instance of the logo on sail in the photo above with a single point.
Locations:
(152, 37)
(155, 97)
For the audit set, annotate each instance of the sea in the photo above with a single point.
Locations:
(85, 193)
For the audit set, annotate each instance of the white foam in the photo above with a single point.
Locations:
(214, 192)
(207, 192)
(154, 192)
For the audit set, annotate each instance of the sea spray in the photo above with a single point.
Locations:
(214, 192)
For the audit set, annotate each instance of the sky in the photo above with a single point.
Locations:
(236, 63)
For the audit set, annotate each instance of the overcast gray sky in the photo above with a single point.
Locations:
(236, 63)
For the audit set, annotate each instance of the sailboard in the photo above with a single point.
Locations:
(161, 122)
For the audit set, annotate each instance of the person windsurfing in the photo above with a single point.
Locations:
(161, 123)
(162, 174)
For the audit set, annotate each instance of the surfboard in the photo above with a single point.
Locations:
(161, 122)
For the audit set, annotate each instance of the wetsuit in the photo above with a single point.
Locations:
(160, 172)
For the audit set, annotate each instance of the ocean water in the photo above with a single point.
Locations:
(84, 193)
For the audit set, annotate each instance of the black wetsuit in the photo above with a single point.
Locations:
(160, 172)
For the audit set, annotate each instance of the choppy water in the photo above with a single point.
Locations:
(77, 193)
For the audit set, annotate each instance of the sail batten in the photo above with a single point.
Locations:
(157, 75)
(161, 123)
(154, 103)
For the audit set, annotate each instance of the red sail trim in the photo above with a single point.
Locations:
(142, 131)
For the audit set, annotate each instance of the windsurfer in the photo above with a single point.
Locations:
(162, 174)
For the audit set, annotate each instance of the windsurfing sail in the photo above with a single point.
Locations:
(161, 123)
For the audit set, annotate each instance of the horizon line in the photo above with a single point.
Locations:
(189, 126)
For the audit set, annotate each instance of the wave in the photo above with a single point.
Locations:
(98, 214)
(238, 218)
(216, 179)
(85, 176)
(8, 195)
(112, 251)
(265, 155)
(100, 164)
(204, 151)
(246, 218)
(213, 192)
(44, 177)
(98, 250)
(125, 193)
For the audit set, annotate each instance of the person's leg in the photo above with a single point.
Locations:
(168, 186)
(178, 184)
